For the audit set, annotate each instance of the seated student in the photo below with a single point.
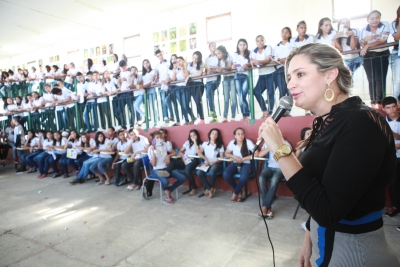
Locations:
(119, 159)
(73, 142)
(274, 173)
(40, 160)
(191, 147)
(240, 150)
(98, 167)
(137, 145)
(31, 143)
(212, 149)
(304, 134)
(158, 154)
(29, 158)
(56, 154)
(85, 145)
(101, 143)
(303, 38)
(389, 105)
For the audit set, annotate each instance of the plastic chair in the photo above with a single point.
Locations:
(146, 166)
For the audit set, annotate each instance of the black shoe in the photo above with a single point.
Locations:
(145, 195)
(392, 212)
(98, 180)
(21, 170)
(122, 181)
(77, 181)
(34, 170)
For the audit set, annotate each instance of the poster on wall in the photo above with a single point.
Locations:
(192, 28)
(111, 49)
(104, 50)
(95, 61)
(13, 68)
(182, 31)
(92, 52)
(164, 49)
(85, 53)
(182, 45)
(173, 47)
(164, 35)
(192, 42)
(40, 62)
(110, 59)
(156, 37)
(85, 63)
(172, 33)
(51, 59)
(97, 51)
(156, 47)
(23, 66)
(57, 58)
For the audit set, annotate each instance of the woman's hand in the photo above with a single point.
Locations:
(364, 50)
(272, 135)
(305, 252)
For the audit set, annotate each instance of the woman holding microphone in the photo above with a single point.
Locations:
(342, 176)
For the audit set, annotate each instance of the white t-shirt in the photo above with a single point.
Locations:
(162, 69)
(211, 153)
(307, 40)
(180, 77)
(327, 40)
(393, 31)
(67, 94)
(193, 70)
(107, 144)
(140, 145)
(69, 79)
(62, 143)
(383, 27)
(190, 150)
(33, 142)
(282, 51)
(224, 64)
(49, 74)
(267, 52)
(81, 90)
(125, 84)
(59, 98)
(272, 163)
(395, 126)
(121, 148)
(239, 61)
(236, 149)
(160, 153)
(345, 47)
(37, 102)
(91, 89)
(149, 76)
(211, 61)
(32, 75)
(135, 81)
(100, 89)
(19, 130)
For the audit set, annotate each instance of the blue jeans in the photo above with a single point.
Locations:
(188, 169)
(229, 96)
(50, 161)
(173, 98)
(280, 82)
(60, 119)
(84, 172)
(15, 152)
(65, 162)
(91, 108)
(180, 179)
(196, 91)
(395, 63)
(122, 102)
(80, 160)
(42, 162)
(152, 97)
(353, 64)
(210, 92)
(180, 94)
(29, 158)
(245, 174)
(164, 104)
(265, 81)
(241, 90)
(213, 171)
(100, 165)
(268, 195)
(136, 104)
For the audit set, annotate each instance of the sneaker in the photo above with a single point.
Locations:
(303, 225)
(398, 228)
(201, 121)
(21, 170)
(163, 174)
(129, 187)
(169, 200)
(77, 181)
(214, 120)
(144, 193)
(122, 181)
(393, 211)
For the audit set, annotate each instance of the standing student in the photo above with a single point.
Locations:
(395, 57)
(136, 83)
(241, 61)
(325, 34)
(59, 99)
(281, 51)
(260, 56)
(109, 88)
(240, 150)
(376, 61)
(163, 78)
(149, 77)
(57, 73)
(81, 92)
(90, 66)
(209, 152)
(196, 86)
(303, 38)
(347, 39)
(225, 64)
(36, 103)
(171, 97)
(32, 78)
(103, 67)
(125, 97)
(210, 65)
(102, 100)
(90, 113)
(48, 75)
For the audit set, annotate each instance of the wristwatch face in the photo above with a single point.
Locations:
(286, 149)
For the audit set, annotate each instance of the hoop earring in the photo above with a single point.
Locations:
(329, 99)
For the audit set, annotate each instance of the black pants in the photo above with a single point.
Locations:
(394, 186)
(136, 175)
(4, 151)
(376, 66)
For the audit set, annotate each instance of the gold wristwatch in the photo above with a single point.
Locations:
(283, 151)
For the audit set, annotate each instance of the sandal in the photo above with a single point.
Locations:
(107, 183)
(234, 197)
(90, 177)
(239, 197)
(224, 120)
(192, 192)
(100, 183)
(263, 215)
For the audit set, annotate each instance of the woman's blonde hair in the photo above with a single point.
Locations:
(325, 57)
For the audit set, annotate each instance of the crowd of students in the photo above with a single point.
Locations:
(118, 89)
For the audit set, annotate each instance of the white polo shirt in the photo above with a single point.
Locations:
(33, 142)
(345, 47)
(192, 69)
(49, 97)
(236, 149)
(307, 40)
(135, 81)
(149, 76)
(190, 150)
(160, 153)
(91, 89)
(393, 31)
(240, 60)
(32, 75)
(66, 94)
(125, 84)
(210, 151)
(114, 141)
(100, 89)
(224, 64)
(327, 40)
(37, 102)
(47, 143)
(121, 148)
(81, 89)
(383, 27)
(282, 51)
(49, 74)
(69, 79)
(272, 163)
(59, 98)
(162, 69)
(62, 143)
(140, 145)
(211, 61)
(267, 52)
(107, 144)
(180, 77)
(395, 126)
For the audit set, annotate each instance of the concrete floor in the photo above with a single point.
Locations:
(51, 223)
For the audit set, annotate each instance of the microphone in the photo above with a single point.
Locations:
(285, 103)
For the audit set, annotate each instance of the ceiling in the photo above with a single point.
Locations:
(29, 25)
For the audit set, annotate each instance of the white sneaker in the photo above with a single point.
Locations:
(303, 225)
(129, 187)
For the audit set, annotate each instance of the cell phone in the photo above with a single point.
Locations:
(154, 142)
